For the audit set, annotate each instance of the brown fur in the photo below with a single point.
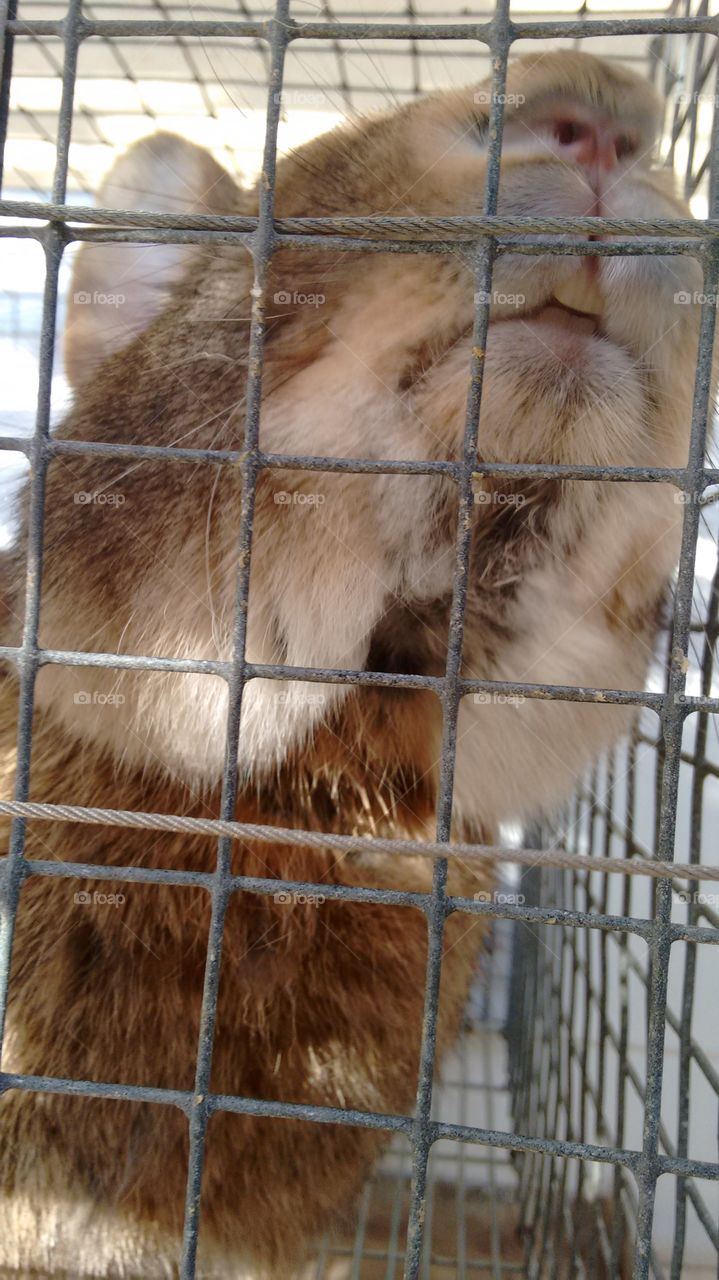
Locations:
(318, 1004)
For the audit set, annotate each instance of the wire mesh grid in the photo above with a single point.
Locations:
(596, 996)
(569, 1109)
(472, 1223)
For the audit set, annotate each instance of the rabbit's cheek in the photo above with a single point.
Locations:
(652, 300)
(546, 187)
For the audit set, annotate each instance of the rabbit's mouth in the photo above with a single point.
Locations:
(583, 323)
(576, 305)
(579, 302)
(565, 329)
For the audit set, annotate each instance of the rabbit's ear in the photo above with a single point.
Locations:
(117, 290)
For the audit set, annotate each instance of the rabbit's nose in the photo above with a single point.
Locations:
(591, 141)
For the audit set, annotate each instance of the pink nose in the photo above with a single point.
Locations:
(593, 143)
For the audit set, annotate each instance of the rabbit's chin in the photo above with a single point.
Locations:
(555, 351)
(566, 338)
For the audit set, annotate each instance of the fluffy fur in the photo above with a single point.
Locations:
(322, 1004)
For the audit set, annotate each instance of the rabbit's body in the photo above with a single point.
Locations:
(319, 1003)
(322, 1003)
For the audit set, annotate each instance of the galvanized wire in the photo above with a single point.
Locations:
(551, 1079)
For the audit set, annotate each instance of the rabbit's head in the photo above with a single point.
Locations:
(367, 355)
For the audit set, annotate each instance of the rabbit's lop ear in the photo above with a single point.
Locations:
(117, 290)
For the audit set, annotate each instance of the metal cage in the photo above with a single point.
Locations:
(556, 1162)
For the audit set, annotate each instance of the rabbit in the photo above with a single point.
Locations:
(588, 361)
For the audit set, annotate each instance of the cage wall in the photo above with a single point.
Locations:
(542, 1157)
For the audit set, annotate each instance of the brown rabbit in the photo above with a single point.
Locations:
(588, 361)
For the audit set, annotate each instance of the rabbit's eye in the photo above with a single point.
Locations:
(625, 146)
(567, 132)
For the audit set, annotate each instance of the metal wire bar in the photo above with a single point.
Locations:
(672, 720)
(601, 813)
(438, 1131)
(200, 1114)
(338, 675)
(678, 476)
(28, 666)
(382, 30)
(484, 11)
(615, 248)
(452, 694)
(418, 229)
(8, 14)
(688, 1051)
(549, 857)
